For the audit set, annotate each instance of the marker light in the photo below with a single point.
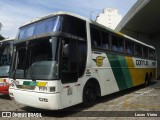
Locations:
(52, 89)
(4, 80)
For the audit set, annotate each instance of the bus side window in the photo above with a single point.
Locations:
(95, 37)
(105, 40)
(74, 26)
(129, 47)
(121, 45)
(151, 54)
(138, 50)
(114, 43)
(145, 52)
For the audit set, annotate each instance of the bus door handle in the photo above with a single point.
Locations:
(77, 84)
(66, 86)
(108, 80)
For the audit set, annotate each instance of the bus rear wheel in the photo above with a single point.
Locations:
(147, 80)
(89, 95)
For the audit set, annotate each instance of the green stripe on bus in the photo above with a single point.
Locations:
(29, 83)
(26, 83)
(117, 71)
(125, 71)
(33, 84)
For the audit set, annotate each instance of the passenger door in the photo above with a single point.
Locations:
(74, 54)
(69, 74)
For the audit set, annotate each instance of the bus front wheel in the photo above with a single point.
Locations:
(89, 95)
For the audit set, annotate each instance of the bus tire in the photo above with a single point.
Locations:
(147, 80)
(89, 95)
(151, 78)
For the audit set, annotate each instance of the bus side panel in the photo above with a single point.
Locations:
(138, 73)
(125, 71)
(103, 72)
(120, 71)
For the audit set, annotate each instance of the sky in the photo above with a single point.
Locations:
(14, 13)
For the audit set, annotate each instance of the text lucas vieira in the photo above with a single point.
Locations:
(149, 114)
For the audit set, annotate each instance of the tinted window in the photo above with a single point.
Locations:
(129, 47)
(138, 49)
(41, 27)
(145, 52)
(105, 40)
(5, 54)
(121, 45)
(95, 37)
(74, 26)
(151, 54)
(114, 43)
(117, 44)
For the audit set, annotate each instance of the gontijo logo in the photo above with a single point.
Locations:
(99, 60)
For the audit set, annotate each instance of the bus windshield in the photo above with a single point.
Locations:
(36, 59)
(5, 58)
(5, 54)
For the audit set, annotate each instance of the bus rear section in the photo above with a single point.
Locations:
(6, 47)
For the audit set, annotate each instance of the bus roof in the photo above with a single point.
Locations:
(88, 20)
(54, 14)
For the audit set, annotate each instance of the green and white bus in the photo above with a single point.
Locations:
(64, 59)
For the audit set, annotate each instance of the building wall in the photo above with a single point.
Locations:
(109, 17)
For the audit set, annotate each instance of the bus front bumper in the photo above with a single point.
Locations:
(37, 100)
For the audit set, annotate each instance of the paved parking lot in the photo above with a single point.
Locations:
(131, 102)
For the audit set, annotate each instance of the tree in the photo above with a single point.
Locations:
(1, 37)
(0, 26)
